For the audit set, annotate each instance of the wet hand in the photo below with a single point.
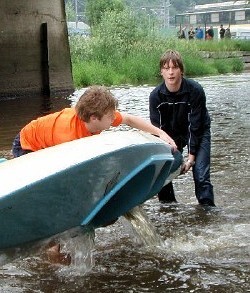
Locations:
(168, 140)
(186, 166)
(54, 255)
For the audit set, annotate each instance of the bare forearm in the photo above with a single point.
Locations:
(140, 123)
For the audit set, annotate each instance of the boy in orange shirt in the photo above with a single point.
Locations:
(94, 112)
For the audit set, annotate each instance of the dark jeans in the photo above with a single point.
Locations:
(17, 150)
(201, 174)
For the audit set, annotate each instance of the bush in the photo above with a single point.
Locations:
(228, 65)
(86, 73)
(121, 52)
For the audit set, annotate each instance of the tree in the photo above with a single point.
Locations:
(116, 34)
(95, 9)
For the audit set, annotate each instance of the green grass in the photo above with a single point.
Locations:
(94, 72)
(94, 62)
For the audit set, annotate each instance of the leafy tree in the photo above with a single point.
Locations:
(116, 33)
(95, 9)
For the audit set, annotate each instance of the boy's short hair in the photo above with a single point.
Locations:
(96, 100)
(174, 56)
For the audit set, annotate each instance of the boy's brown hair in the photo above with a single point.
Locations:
(175, 57)
(96, 100)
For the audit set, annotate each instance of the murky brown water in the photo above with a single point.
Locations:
(203, 251)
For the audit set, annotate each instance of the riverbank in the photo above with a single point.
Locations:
(246, 59)
(112, 64)
(243, 55)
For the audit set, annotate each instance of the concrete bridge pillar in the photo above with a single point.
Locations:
(34, 49)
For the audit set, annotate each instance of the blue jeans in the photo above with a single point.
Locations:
(17, 150)
(201, 174)
(201, 170)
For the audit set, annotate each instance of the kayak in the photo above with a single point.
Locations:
(88, 182)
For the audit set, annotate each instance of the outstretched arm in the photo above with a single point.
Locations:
(139, 123)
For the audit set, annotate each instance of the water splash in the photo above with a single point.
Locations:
(79, 244)
(143, 231)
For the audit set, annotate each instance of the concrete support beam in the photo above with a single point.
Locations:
(34, 49)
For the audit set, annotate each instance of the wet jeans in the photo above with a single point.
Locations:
(17, 150)
(201, 175)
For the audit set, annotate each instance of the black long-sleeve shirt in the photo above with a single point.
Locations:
(182, 115)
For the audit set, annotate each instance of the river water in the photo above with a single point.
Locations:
(199, 250)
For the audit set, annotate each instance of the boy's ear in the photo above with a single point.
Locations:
(93, 118)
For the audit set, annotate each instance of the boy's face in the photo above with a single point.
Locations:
(171, 74)
(103, 123)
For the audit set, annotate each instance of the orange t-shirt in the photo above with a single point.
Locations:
(56, 128)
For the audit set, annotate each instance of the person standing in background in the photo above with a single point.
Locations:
(222, 32)
(191, 33)
(210, 33)
(228, 33)
(199, 33)
(181, 33)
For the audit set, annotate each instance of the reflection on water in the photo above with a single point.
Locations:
(15, 113)
(205, 251)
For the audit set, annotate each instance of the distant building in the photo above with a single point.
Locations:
(228, 13)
